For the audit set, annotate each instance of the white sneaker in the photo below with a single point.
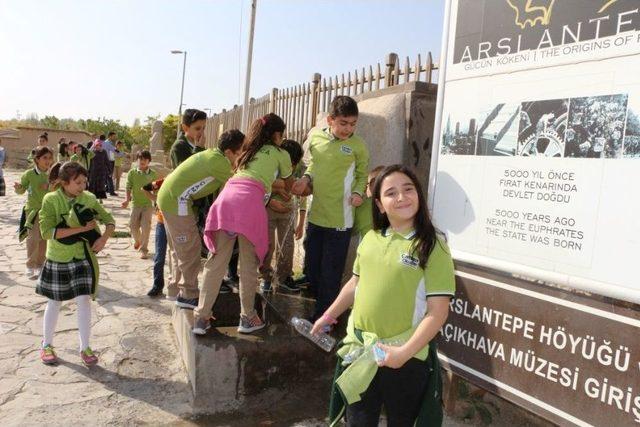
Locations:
(29, 272)
(36, 273)
(170, 298)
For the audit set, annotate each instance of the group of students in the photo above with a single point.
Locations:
(257, 184)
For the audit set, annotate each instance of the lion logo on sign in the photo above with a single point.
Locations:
(532, 12)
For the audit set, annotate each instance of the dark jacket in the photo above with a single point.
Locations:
(181, 150)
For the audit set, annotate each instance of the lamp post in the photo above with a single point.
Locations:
(244, 125)
(184, 66)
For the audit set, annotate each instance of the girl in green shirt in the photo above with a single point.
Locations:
(63, 152)
(35, 182)
(68, 220)
(404, 278)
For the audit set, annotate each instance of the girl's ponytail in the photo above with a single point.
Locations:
(260, 133)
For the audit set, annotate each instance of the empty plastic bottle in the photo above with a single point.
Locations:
(322, 340)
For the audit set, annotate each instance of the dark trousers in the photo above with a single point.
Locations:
(110, 186)
(400, 391)
(325, 257)
(159, 256)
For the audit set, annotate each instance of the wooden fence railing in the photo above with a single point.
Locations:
(299, 105)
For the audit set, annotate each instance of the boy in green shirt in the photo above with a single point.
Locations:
(337, 161)
(142, 209)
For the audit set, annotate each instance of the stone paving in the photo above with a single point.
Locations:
(140, 378)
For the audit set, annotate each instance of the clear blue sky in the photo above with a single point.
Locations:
(90, 58)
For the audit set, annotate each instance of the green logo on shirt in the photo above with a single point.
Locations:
(409, 260)
(346, 149)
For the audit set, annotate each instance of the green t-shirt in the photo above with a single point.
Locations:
(301, 201)
(36, 183)
(84, 161)
(338, 169)
(56, 207)
(363, 218)
(119, 161)
(269, 164)
(136, 179)
(200, 175)
(392, 289)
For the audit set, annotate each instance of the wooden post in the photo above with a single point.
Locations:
(315, 97)
(451, 393)
(429, 67)
(392, 58)
(273, 101)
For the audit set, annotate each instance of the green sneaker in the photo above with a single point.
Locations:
(48, 356)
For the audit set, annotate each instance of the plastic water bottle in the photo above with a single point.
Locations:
(321, 339)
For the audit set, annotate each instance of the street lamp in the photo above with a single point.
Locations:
(184, 66)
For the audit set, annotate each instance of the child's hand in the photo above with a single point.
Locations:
(301, 187)
(125, 204)
(320, 323)
(284, 194)
(278, 206)
(395, 357)
(355, 200)
(17, 186)
(99, 244)
(90, 225)
(299, 231)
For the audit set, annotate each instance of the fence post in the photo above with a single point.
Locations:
(392, 58)
(273, 101)
(315, 98)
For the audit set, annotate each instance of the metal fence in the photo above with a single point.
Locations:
(300, 105)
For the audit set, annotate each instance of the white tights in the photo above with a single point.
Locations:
(84, 320)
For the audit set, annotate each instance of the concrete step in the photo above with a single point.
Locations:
(231, 372)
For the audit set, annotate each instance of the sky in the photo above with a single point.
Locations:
(111, 58)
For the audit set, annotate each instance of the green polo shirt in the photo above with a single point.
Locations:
(56, 207)
(338, 168)
(136, 179)
(269, 164)
(84, 161)
(363, 218)
(200, 175)
(301, 201)
(36, 183)
(392, 289)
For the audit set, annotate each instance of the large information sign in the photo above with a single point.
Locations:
(537, 174)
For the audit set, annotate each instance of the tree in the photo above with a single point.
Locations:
(170, 131)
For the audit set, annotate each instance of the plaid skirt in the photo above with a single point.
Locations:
(62, 281)
(2, 186)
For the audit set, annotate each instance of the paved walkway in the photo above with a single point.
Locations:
(140, 378)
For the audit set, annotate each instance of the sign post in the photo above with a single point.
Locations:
(534, 183)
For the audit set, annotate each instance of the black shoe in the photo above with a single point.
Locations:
(289, 285)
(191, 303)
(154, 292)
(113, 194)
(225, 288)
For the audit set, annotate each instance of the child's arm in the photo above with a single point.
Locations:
(61, 233)
(340, 305)
(128, 187)
(437, 312)
(151, 196)
(21, 187)
(362, 165)
(302, 216)
(105, 218)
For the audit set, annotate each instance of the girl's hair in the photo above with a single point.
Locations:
(260, 133)
(61, 140)
(54, 174)
(44, 136)
(41, 151)
(65, 172)
(425, 233)
(62, 148)
(191, 115)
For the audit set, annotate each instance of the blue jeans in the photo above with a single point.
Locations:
(159, 256)
(325, 257)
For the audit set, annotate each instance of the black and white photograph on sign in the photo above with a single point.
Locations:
(541, 128)
(498, 131)
(595, 127)
(632, 129)
(459, 136)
